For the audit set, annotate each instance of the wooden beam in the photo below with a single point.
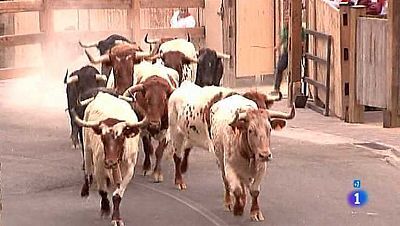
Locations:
(197, 32)
(391, 117)
(344, 57)
(9, 73)
(172, 4)
(90, 4)
(14, 40)
(137, 35)
(356, 111)
(20, 6)
(75, 36)
(295, 50)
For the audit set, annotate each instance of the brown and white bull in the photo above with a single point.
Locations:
(122, 57)
(180, 55)
(155, 83)
(111, 149)
(104, 46)
(241, 134)
(188, 116)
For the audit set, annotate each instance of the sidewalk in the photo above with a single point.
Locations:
(314, 127)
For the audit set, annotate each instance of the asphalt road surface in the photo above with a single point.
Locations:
(307, 182)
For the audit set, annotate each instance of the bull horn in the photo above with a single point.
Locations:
(83, 123)
(282, 115)
(238, 116)
(154, 57)
(192, 60)
(140, 54)
(223, 55)
(146, 40)
(101, 59)
(133, 89)
(128, 99)
(137, 124)
(101, 77)
(84, 102)
(72, 79)
(87, 45)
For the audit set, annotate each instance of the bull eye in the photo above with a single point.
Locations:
(118, 59)
(128, 57)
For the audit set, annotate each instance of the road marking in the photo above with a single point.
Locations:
(196, 207)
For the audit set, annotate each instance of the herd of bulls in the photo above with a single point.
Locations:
(123, 98)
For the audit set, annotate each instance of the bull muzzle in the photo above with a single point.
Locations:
(264, 157)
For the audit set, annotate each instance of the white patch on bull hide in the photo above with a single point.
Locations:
(128, 57)
(187, 73)
(118, 59)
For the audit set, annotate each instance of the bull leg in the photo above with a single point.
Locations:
(255, 212)
(148, 151)
(119, 193)
(185, 160)
(236, 185)
(228, 203)
(157, 175)
(86, 185)
(104, 204)
(74, 135)
(88, 178)
(178, 174)
(83, 148)
(240, 200)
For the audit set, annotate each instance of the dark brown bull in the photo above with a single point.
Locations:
(151, 102)
(122, 57)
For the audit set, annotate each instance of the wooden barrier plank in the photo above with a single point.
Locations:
(172, 4)
(391, 117)
(90, 4)
(20, 6)
(315, 83)
(14, 40)
(9, 73)
(198, 32)
(356, 111)
(74, 36)
(309, 56)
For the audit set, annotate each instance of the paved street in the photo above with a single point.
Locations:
(307, 182)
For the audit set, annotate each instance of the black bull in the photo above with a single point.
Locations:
(81, 84)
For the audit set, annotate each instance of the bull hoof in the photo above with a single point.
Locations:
(105, 213)
(158, 177)
(238, 210)
(256, 215)
(145, 172)
(85, 191)
(117, 223)
(181, 186)
(228, 207)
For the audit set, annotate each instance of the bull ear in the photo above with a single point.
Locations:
(97, 129)
(130, 131)
(239, 124)
(278, 124)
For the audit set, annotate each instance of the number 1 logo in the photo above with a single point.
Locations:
(357, 198)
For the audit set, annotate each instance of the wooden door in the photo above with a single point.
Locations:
(254, 37)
